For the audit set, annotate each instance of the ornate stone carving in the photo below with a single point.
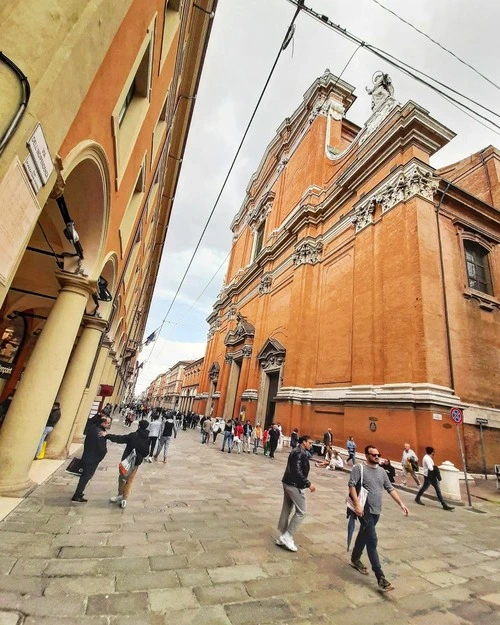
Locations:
(307, 251)
(247, 351)
(243, 330)
(272, 355)
(231, 313)
(414, 181)
(228, 359)
(282, 164)
(363, 215)
(213, 372)
(265, 284)
(325, 107)
(382, 89)
(259, 214)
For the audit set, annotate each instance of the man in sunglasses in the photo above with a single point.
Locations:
(375, 481)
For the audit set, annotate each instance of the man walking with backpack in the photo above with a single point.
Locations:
(370, 480)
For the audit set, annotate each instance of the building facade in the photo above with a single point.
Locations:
(96, 104)
(189, 386)
(363, 288)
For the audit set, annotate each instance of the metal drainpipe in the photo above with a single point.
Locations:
(443, 286)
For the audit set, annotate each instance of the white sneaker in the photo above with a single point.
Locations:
(123, 503)
(288, 542)
(116, 499)
(279, 541)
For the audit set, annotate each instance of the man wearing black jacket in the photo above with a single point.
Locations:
(294, 484)
(94, 450)
(138, 440)
(274, 437)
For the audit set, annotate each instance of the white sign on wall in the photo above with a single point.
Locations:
(39, 150)
(437, 417)
(32, 173)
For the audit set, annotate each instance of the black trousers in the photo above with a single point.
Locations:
(431, 481)
(272, 445)
(152, 444)
(89, 468)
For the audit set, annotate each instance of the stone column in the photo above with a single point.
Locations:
(90, 394)
(73, 385)
(37, 390)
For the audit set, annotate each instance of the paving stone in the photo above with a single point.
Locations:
(29, 566)
(62, 568)
(81, 540)
(6, 564)
(210, 560)
(492, 598)
(79, 586)
(51, 620)
(124, 603)
(315, 604)
(21, 585)
(10, 601)
(110, 566)
(173, 600)
(261, 612)
(236, 573)
(10, 618)
(275, 587)
(220, 594)
(438, 618)
(193, 577)
(87, 553)
(444, 578)
(53, 606)
(146, 581)
(430, 565)
(184, 547)
(168, 563)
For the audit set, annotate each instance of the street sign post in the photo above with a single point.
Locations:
(457, 415)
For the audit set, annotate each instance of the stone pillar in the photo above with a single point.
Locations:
(450, 483)
(37, 390)
(90, 394)
(74, 383)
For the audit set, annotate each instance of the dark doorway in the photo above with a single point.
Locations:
(271, 397)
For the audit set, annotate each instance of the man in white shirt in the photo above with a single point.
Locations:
(406, 462)
(431, 474)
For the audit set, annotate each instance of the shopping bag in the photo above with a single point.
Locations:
(127, 465)
(41, 455)
(75, 467)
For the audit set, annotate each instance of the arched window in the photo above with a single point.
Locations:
(478, 267)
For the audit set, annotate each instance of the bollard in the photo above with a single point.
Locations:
(450, 484)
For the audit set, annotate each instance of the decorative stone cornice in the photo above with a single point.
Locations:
(250, 394)
(265, 284)
(412, 181)
(307, 251)
(231, 313)
(243, 330)
(363, 215)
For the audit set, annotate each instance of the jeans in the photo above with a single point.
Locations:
(351, 456)
(48, 429)
(293, 497)
(163, 444)
(227, 438)
(367, 537)
(428, 481)
(256, 444)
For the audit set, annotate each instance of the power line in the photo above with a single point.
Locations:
(392, 60)
(437, 43)
(284, 44)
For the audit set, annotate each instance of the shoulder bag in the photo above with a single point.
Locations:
(127, 465)
(362, 494)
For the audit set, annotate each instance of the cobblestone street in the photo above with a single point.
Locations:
(196, 545)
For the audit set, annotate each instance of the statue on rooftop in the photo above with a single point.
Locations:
(382, 89)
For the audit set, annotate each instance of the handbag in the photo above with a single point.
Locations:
(414, 464)
(75, 467)
(362, 494)
(127, 465)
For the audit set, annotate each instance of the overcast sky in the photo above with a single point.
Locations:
(245, 39)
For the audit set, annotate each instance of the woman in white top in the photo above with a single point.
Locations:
(431, 477)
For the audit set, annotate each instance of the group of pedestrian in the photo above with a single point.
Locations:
(366, 485)
(242, 437)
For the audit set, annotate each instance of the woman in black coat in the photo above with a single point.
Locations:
(138, 440)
